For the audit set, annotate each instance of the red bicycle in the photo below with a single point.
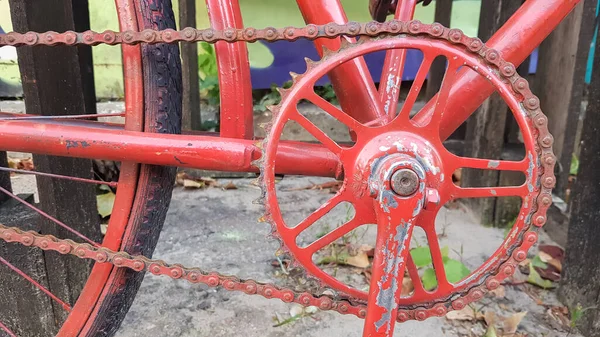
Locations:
(396, 172)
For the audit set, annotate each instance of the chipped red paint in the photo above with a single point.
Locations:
(393, 66)
(396, 219)
(524, 31)
(425, 145)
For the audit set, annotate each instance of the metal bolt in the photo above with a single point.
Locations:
(404, 182)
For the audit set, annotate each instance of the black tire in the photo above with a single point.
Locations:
(162, 105)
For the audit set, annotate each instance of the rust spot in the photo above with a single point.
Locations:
(74, 144)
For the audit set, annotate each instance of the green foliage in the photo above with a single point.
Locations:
(576, 314)
(272, 97)
(209, 74)
(535, 279)
(574, 165)
(537, 262)
(422, 256)
(455, 270)
(327, 93)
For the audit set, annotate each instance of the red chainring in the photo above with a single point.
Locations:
(421, 141)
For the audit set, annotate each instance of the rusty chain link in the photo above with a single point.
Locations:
(531, 106)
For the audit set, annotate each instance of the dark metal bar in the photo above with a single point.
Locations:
(189, 69)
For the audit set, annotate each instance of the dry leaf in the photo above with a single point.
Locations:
(545, 257)
(21, 164)
(189, 183)
(105, 203)
(554, 251)
(466, 314)
(13, 163)
(490, 318)
(457, 176)
(499, 292)
(560, 314)
(26, 164)
(512, 323)
(361, 259)
(181, 176)
(407, 286)
(230, 186)
(556, 264)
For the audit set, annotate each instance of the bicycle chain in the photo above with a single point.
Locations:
(531, 106)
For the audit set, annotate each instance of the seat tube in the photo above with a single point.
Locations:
(234, 72)
(351, 81)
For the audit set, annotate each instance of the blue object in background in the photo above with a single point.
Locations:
(289, 56)
(590, 66)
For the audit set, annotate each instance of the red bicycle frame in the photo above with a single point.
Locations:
(235, 150)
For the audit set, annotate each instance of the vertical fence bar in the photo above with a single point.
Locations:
(54, 82)
(484, 138)
(560, 82)
(580, 279)
(189, 66)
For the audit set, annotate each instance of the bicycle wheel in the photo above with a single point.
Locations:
(153, 76)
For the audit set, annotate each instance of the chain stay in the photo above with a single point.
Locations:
(544, 184)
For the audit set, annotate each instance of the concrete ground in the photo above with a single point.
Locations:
(216, 229)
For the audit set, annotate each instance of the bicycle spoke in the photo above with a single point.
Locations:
(36, 284)
(7, 330)
(333, 235)
(415, 88)
(335, 112)
(436, 253)
(58, 176)
(391, 80)
(319, 213)
(413, 272)
(442, 98)
(490, 192)
(317, 133)
(38, 117)
(49, 217)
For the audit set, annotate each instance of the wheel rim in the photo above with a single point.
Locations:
(93, 291)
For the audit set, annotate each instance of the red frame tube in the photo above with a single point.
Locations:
(352, 81)
(234, 72)
(393, 67)
(515, 41)
(207, 152)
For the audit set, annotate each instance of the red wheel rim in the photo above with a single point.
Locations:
(92, 293)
